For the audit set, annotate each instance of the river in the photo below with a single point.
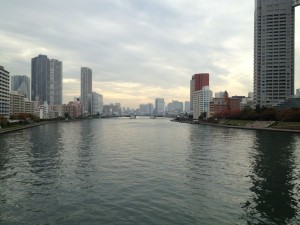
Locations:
(148, 171)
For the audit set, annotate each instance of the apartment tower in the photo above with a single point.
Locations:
(56, 71)
(274, 31)
(21, 84)
(40, 74)
(198, 81)
(86, 90)
(4, 92)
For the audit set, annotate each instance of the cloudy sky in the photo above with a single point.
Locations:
(138, 49)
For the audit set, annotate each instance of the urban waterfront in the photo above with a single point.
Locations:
(145, 171)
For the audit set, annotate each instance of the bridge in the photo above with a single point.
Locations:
(296, 3)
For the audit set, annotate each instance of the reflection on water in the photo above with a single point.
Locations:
(143, 171)
(274, 176)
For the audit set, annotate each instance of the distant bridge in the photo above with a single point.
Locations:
(296, 3)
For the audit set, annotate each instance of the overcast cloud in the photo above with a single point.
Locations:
(138, 50)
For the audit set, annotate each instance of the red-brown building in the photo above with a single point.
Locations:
(220, 105)
(74, 109)
(198, 81)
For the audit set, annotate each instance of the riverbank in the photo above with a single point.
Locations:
(27, 126)
(23, 127)
(250, 125)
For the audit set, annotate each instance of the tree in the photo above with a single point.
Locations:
(67, 116)
(203, 115)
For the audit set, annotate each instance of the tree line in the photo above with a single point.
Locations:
(261, 113)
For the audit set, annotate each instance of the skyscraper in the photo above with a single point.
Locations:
(274, 51)
(40, 79)
(198, 81)
(4, 92)
(86, 90)
(187, 106)
(21, 84)
(97, 103)
(159, 106)
(56, 71)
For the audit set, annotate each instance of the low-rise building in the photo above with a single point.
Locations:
(291, 103)
(220, 105)
(58, 109)
(28, 106)
(44, 111)
(16, 103)
(74, 109)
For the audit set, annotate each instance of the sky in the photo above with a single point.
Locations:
(138, 50)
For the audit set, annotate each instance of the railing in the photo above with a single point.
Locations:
(296, 3)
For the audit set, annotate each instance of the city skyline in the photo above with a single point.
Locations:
(138, 50)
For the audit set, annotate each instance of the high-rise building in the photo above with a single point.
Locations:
(86, 90)
(201, 101)
(56, 74)
(159, 106)
(187, 106)
(4, 92)
(143, 109)
(175, 107)
(40, 79)
(198, 81)
(97, 103)
(274, 31)
(146, 109)
(298, 92)
(21, 84)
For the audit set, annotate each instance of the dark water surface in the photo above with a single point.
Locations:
(143, 171)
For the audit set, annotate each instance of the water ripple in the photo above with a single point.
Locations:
(144, 171)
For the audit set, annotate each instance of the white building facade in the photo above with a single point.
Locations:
(4, 92)
(201, 100)
(97, 103)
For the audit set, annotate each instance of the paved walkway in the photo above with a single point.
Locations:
(260, 124)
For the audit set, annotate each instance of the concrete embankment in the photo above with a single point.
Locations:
(257, 125)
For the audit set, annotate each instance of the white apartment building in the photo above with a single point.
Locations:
(44, 111)
(201, 100)
(97, 103)
(4, 92)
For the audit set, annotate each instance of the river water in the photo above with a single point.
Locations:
(148, 171)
